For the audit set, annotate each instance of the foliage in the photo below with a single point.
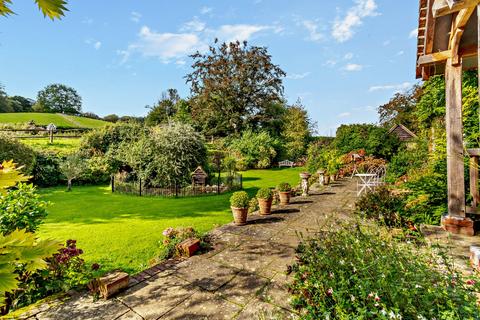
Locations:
(20, 104)
(382, 206)
(13, 149)
(253, 205)
(21, 208)
(111, 118)
(255, 150)
(232, 85)
(173, 237)
(46, 172)
(4, 105)
(239, 199)
(66, 270)
(361, 273)
(182, 150)
(296, 131)
(21, 247)
(58, 98)
(407, 160)
(73, 167)
(265, 193)
(284, 187)
(432, 103)
(54, 9)
(10, 176)
(401, 109)
(164, 110)
(373, 139)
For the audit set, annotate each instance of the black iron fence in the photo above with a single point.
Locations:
(216, 186)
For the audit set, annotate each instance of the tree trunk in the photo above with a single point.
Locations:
(69, 185)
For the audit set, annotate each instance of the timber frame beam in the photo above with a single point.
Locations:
(446, 8)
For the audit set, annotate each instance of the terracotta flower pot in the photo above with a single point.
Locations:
(284, 198)
(265, 206)
(240, 216)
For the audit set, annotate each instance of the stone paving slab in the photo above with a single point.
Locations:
(242, 277)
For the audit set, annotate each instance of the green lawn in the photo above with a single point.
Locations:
(122, 231)
(44, 119)
(59, 146)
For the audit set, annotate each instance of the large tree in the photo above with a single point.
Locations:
(401, 109)
(231, 84)
(297, 130)
(59, 98)
(165, 109)
(4, 105)
(54, 9)
(21, 104)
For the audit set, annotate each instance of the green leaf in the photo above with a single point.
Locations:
(4, 9)
(54, 9)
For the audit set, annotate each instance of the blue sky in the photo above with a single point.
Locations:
(343, 58)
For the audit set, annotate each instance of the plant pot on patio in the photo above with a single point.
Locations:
(284, 190)
(239, 204)
(326, 180)
(265, 199)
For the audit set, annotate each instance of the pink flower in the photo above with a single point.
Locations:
(377, 298)
(330, 292)
(470, 282)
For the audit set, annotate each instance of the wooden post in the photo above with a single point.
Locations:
(140, 187)
(454, 122)
(474, 181)
(112, 179)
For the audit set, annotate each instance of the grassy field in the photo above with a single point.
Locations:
(44, 119)
(59, 146)
(122, 231)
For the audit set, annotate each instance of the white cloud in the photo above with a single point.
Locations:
(298, 76)
(135, 16)
(165, 46)
(206, 10)
(330, 63)
(313, 29)
(88, 21)
(395, 87)
(97, 45)
(351, 67)
(94, 43)
(240, 32)
(400, 53)
(194, 25)
(344, 115)
(348, 56)
(344, 29)
(413, 33)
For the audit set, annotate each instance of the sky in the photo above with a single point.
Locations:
(343, 58)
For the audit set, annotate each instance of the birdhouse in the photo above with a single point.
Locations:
(199, 177)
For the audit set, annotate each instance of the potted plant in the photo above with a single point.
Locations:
(265, 198)
(239, 202)
(284, 190)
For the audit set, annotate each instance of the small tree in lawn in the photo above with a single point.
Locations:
(73, 168)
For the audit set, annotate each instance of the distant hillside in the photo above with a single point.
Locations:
(44, 119)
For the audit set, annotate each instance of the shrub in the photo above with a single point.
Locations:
(21, 154)
(67, 270)
(265, 193)
(173, 237)
(253, 205)
(46, 172)
(382, 206)
(284, 187)
(360, 273)
(21, 208)
(255, 150)
(239, 199)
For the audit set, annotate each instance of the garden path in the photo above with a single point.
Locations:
(243, 277)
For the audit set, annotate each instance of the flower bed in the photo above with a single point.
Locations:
(362, 273)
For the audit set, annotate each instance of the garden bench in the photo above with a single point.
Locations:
(286, 163)
(374, 178)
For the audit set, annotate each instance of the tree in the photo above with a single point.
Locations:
(164, 110)
(59, 98)
(20, 153)
(296, 131)
(73, 167)
(20, 104)
(4, 105)
(401, 109)
(111, 118)
(231, 84)
(54, 9)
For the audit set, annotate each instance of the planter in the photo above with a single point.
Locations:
(305, 175)
(265, 206)
(284, 198)
(240, 216)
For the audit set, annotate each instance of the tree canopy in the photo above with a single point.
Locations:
(232, 84)
(54, 9)
(59, 98)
